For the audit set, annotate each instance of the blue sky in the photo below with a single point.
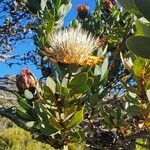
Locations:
(24, 46)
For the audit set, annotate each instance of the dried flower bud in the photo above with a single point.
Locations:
(108, 4)
(83, 10)
(100, 41)
(26, 80)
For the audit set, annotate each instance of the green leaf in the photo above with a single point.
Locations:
(148, 94)
(104, 68)
(48, 94)
(65, 82)
(103, 94)
(55, 123)
(141, 144)
(143, 27)
(130, 99)
(76, 119)
(139, 45)
(134, 110)
(57, 4)
(43, 4)
(23, 103)
(51, 84)
(28, 94)
(144, 7)
(68, 112)
(147, 84)
(23, 115)
(129, 5)
(30, 124)
(93, 100)
(139, 67)
(105, 79)
(90, 82)
(62, 90)
(78, 80)
(80, 89)
(148, 106)
(33, 6)
(76, 146)
(63, 10)
(77, 136)
(45, 126)
(97, 70)
(49, 21)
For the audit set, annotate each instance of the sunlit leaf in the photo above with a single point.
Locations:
(28, 94)
(51, 84)
(57, 4)
(148, 94)
(48, 94)
(43, 4)
(139, 67)
(104, 68)
(76, 119)
(143, 27)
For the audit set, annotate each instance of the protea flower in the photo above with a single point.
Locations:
(26, 81)
(73, 46)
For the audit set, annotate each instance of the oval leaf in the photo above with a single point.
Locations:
(51, 84)
(76, 119)
(143, 27)
(144, 7)
(28, 94)
(139, 45)
(78, 80)
(23, 103)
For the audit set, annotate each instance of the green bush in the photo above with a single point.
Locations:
(19, 139)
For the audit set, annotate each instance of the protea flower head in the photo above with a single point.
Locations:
(26, 80)
(73, 46)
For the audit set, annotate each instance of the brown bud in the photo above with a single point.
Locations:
(108, 4)
(100, 41)
(26, 80)
(82, 10)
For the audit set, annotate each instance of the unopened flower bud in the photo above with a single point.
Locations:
(100, 41)
(83, 10)
(108, 4)
(26, 80)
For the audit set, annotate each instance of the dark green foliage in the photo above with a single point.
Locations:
(140, 43)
